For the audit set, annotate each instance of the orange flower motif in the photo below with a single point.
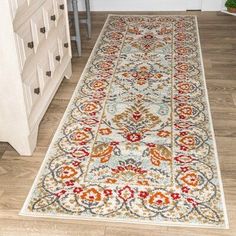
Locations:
(158, 75)
(105, 131)
(105, 65)
(125, 74)
(163, 133)
(110, 49)
(68, 172)
(89, 107)
(111, 181)
(159, 199)
(188, 140)
(190, 179)
(91, 195)
(184, 86)
(141, 81)
(186, 110)
(98, 84)
(79, 136)
(143, 182)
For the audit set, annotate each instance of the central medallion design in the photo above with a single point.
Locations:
(134, 140)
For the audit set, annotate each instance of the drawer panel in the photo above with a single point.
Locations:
(64, 43)
(44, 73)
(32, 90)
(50, 16)
(38, 27)
(26, 45)
(54, 56)
(59, 7)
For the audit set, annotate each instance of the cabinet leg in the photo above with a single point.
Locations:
(68, 71)
(25, 145)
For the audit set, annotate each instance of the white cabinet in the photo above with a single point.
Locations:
(35, 55)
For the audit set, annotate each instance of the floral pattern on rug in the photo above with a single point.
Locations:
(136, 143)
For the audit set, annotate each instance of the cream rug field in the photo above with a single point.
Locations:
(136, 143)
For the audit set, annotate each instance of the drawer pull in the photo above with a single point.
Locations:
(49, 73)
(62, 7)
(66, 45)
(31, 45)
(53, 17)
(43, 30)
(37, 91)
(58, 58)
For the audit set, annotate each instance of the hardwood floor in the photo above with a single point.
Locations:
(218, 40)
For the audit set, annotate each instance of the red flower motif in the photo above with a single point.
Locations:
(77, 190)
(151, 145)
(76, 163)
(93, 113)
(60, 193)
(183, 133)
(182, 117)
(82, 143)
(108, 192)
(126, 193)
(192, 201)
(120, 168)
(134, 137)
(114, 143)
(87, 129)
(137, 115)
(184, 168)
(70, 183)
(183, 148)
(143, 194)
(185, 189)
(175, 196)
(148, 36)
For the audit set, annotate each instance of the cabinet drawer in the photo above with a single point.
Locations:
(44, 73)
(32, 90)
(64, 43)
(25, 42)
(59, 7)
(54, 56)
(50, 16)
(38, 27)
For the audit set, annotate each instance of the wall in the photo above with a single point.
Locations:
(148, 5)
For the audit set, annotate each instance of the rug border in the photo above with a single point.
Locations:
(24, 212)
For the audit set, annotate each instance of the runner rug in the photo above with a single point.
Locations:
(136, 143)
